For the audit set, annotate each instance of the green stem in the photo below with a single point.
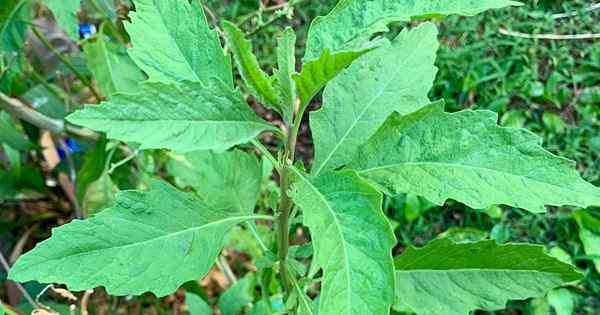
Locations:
(65, 61)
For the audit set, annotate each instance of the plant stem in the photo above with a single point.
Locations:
(20, 287)
(65, 61)
(21, 111)
(285, 207)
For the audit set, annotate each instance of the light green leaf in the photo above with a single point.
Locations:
(444, 278)
(14, 16)
(395, 77)
(1, 308)
(149, 242)
(99, 195)
(286, 62)
(357, 267)
(172, 41)
(257, 81)
(10, 135)
(65, 13)
(316, 73)
(305, 305)
(353, 22)
(185, 116)
(466, 156)
(229, 180)
(196, 305)
(112, 67)
(589, 235)
(234, 299)
(562, 300)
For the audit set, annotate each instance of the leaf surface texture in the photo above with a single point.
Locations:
(467, 157)
(172, 41)
(396, 77)
(148, 242)
(352, 241)
(185, 116)
(445, 278)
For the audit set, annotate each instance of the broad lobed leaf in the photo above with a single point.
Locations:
(396, 77)
(172, 41)
(445, 278)
(185, 116)
(353, 22)
(257, 81)
(149, 242)
(466, 156)
(352, 241)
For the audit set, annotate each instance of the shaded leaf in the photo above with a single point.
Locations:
(149, 242)
(466, 156)
(357, 267)
(353, 22)
(184, 117)
(65, 13)
(229, 180)
(172, 41)
(444, 278)
(14, 18)
(196, 305)
(562, 300)
(589, 235)
(237, 296)
(10, 135)
(395, 77)
(257, 81)
(112, 67)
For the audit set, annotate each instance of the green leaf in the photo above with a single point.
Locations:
(562, 300)
(112, 67)
(149, 242)
(395, 77)
(14, 18)
(444, 278)
(10, 135)
(589, 235)
(99, 195)
(1, 308)
(196, 305)
(185, 116)
(92, 168)
(466, 156)
(65, 13)
(257, 81)
(172, 41)
(229, 180)
(286, 62)
(357, 267)
(234, 299)
(353, 22)
(316, 73)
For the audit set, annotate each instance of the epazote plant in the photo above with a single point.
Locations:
(377, 132)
